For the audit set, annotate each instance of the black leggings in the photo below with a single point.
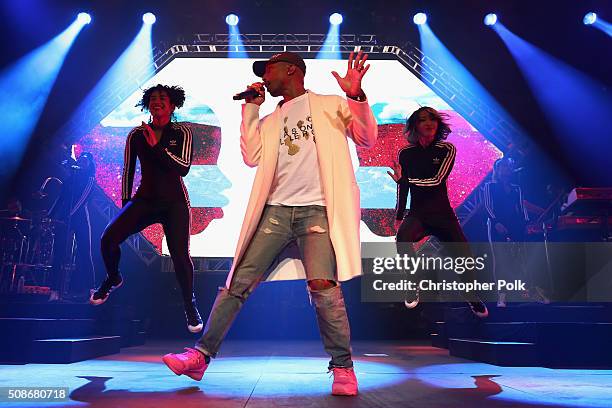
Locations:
(137, 215)
(443, 226)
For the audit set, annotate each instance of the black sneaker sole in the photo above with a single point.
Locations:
(98, 302)
(480, 314)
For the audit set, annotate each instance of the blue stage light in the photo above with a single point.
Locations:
(589, 18)
(130, 73)
(335, 19)
(25, 86)
(331, 45)
(419, 18)
(232, 19)
(236, 48)
(84, 18)
(490, 19)
(562, 92)
(149, 18)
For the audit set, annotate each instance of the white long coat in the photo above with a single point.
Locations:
(334, 119)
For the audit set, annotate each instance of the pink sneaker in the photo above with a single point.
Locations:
(345, 382)
(191, 363)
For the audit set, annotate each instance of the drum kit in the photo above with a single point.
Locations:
(27, 252)
(37, 250)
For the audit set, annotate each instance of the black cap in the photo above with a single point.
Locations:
(259, 67)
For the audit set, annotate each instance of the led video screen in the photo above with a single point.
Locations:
(219, 182)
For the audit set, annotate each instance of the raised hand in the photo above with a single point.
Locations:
(351, 82)
(149, 135)
(397, 172)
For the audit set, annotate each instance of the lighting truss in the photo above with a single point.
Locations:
(487, 120)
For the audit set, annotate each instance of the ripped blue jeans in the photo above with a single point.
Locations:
(278, 226)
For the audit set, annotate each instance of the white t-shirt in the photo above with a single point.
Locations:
(297, 181)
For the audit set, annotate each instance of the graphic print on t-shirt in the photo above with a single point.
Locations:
(301, 130)
(296, 180)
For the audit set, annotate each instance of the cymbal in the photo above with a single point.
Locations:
(15, 218)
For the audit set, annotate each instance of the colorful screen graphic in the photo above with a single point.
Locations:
(219, 182)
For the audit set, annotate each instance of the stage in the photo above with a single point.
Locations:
(293, 374)
(456, 201)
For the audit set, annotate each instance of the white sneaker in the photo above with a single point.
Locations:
(412, 300)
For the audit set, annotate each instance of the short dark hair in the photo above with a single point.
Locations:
(442, 118)
(91, 169)
(497, 165)
(175, 93)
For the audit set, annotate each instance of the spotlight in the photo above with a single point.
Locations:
(84, 18)
(490, 19)
(232, 19)
(419, 18)
(335, 19)
(589, 18)
(149, 18)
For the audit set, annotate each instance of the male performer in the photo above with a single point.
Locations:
(423, 168)
(72, 207)
(164, 150)
(507, 222)
(304, 190)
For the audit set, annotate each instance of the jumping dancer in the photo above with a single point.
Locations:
(164, 149)
(423, 168)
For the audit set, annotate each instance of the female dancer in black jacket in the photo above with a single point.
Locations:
(164, 149)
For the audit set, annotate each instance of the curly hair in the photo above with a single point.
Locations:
(175, 93)
(443, 128)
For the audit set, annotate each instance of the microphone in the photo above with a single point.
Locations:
(249, 93)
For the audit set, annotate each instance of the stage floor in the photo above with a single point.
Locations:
(293, 374)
